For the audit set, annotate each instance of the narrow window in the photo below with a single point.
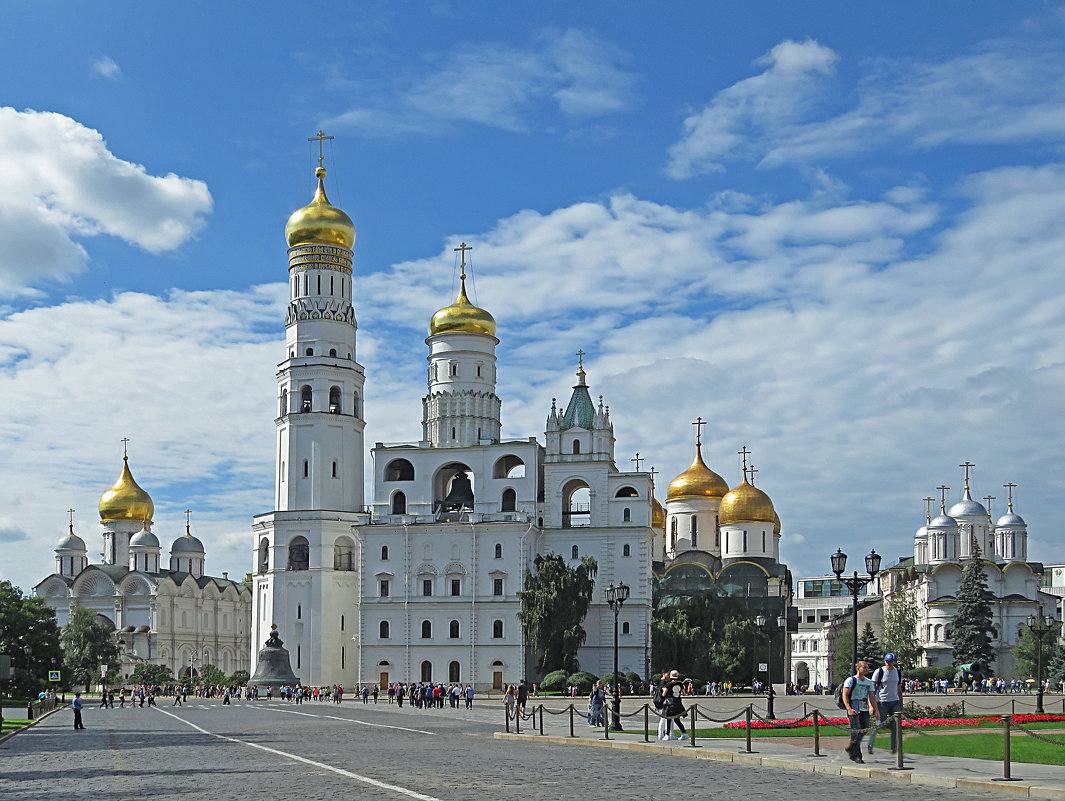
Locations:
(510, 500)
(456, 586)
(306, 468)
(427, 630)
(744, 540)
(625, 550)
(299, 611)
(576, 446)
(384, 588)
(478, 371)
(342, 659)
(626, 515)
(305, 398)
(330, 285)
(453, 630)
(334, 468)
(673, 528)
(298, 655)
(497, 629)
(333, 352)
(427, 587)
(625, 627)
(399, 504)
(319, 283)
(763, 542)
(497, 586)
(453, 432)
(334, 400)
(574, 552)
(383, 630)
(310, 351)
(341, 622)
(384, 553)
(499, 551)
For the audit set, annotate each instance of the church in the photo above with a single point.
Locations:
(173, 615)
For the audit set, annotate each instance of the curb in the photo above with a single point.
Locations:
(32, 723)
(1020, 788)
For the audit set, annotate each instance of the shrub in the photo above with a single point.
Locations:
(928, 673)
(583, 680)
(555, 681)
(633, 679)
(915, 710)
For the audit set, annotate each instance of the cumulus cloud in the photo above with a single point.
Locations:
(1003, 92)
(107, 67)
(497, 85)
(62, 184)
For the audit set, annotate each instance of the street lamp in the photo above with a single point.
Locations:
(782, 625)
(855, 584)
(1041, 628)
(616, 597)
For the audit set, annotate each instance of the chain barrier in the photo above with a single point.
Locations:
(791, 724)
(1040, 737)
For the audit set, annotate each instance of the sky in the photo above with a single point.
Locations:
(836, 232)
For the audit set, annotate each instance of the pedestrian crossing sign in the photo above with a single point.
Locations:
(53, 675)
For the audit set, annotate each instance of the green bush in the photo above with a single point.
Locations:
(929, 673)
(583, 680)
(633, 679)
(555, 681)
(915, 710)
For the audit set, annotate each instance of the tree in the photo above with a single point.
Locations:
(706, 635)
(151, 675)
(869, 649)
(841, 648)
(901, 618)
(240, 678)
(1028, 656)
(1055, 671)
(30, 636)
(553, 605)
(87, 646)
(971, 627)
(209, 674)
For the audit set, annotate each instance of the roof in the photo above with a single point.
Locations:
(580, 412)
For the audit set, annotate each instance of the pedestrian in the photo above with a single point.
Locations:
(860, 699)
(103, 700)
(469, 696)
(673, 706)
(523, 695)
(376, 692)
(177, 698)
(657, 699)
(888, 683)
(596, 704)
(510, 699)
(76, 706)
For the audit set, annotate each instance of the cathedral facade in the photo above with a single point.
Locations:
(421, 583)
(171, 614)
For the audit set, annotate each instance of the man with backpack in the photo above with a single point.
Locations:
(888, 683)
(859, 699)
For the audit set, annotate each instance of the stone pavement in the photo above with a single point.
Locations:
(326, 751)
(795, 754)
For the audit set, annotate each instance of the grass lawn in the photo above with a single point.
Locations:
(831, 731)
(989, 746)
(14, 724)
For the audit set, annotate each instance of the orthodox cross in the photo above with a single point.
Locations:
(124, 441)
(188, 512)
(989, 498)
(319, 139)
(653, 473)
(744, 453)
(1009, 488)
(968, 466)
(463, 248)
(943, 497)
(752, 472)
(580, 359)
(71, 513)
(699, 430)
(637, 460)
(928, 508)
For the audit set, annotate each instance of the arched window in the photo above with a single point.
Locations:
(627, 492)
(626, 515)
(626, 550)
(284, 402)
(299, 613)
(453, 672)
(399, 470)
(384, 553)
(673, 528)
(497, 629)
(332, 351)
(305, 398)
(625, 627)
(576, 446)
(427, 671)
(427, 629)
(399, 504)
(574, 552)
(509, 466)
(334, 400)
(334, 468)
(510, 498)
(264, 555)
(355, 404)
(695, 531)
(383, 630)
(453, 630)
(299, 554)
(343, 554)
(499, 551)
(310, 351)
(306, 468)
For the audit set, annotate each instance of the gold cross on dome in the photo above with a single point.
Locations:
(319, 139)
(653, 473)
(188, 517)
(580, 359)
(928, 508)
(943, 497)
(71, 513)
(752, 472)
(637, 460)
(744, 453)
(463, 248)
(968, 466)
(699, 423)
(1009, 489)
(124, 441)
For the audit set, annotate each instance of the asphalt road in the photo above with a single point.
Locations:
(325, 751)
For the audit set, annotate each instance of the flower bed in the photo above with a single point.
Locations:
(924, 723)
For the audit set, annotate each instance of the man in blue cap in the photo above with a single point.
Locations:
(888, 683)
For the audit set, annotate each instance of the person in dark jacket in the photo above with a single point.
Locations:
(673, 706)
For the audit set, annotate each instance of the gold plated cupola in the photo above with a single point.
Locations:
(126, 500)
(698, 480)
(462, 316)
(320, 222)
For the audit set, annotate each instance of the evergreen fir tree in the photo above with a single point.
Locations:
(971, 627)
(869, 648)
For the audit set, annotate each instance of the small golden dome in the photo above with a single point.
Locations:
(746, 503)
(658, 515)
(320, 222)
(126, 500)
(462, 317)
(697, 480)
(776, 522)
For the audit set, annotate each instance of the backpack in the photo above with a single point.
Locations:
(656, 696)
(839, 695)
(878, 677)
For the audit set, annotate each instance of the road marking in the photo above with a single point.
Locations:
(340, 771)
(350, 720)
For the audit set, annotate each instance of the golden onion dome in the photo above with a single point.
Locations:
(697, 480)
(320, 222)
(126, 500)
(462, 317)
(746, 503)
(776, 522)
(658, 515)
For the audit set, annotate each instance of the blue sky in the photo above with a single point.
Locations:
(835, 232)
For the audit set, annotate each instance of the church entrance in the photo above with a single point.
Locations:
(427, 671)
(384, 680)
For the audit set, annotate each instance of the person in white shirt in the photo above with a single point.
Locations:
(888, 683)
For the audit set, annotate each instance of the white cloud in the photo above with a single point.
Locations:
(496, 85)
(61, 184)
(1003, 92)
(107, 67)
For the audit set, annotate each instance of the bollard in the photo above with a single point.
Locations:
(817, 734)
(804, 711)
(506, 716)
(29, 710)
(691, 737)
(606, 724)
(1006, 773)
(1013, 706)
(963, 707)
(748, 716)
(646, 725)
(517, 720)
(541, 718)
(571, 734)
(897, 723)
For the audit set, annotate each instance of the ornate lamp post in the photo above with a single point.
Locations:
(1041, 628)
(855, 584)
(782, 625)
(616, 597)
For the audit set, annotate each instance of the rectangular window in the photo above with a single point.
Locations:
(384, 588)
(456, 586)
(497, 586)
(427, 587)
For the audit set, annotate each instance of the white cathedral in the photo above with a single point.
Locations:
(421, 583)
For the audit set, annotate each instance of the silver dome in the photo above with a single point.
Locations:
(922, 533)
(1011, 519)
(187, 544)
(144, 539)
(967, 507)
(943, 521)
(70, 542)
